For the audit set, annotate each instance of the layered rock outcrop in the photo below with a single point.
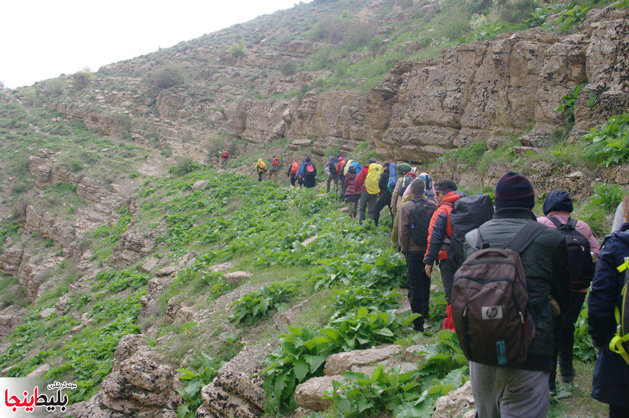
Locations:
(142, 384)
(491, 90)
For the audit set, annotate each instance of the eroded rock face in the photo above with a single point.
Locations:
(309, 395)
(342, 362)
(236, 391)
(492, 89)
(142, 383)
(133, 246)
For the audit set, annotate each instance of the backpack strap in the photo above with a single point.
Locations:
(525, 236)
(572, 223)
(555, 221)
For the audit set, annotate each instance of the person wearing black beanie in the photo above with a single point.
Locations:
(524, 391)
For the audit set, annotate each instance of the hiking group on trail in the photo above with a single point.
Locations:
(514, 284)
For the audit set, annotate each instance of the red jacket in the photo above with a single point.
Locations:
(360, 180)
(440, 229)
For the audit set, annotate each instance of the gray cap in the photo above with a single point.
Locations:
(418, 187)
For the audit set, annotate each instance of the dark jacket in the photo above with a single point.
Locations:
(545, 264)
(611, 374)
(404, 227)
(383, 183)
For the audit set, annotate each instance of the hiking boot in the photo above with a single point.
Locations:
(568, 376)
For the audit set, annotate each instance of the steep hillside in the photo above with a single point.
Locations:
(165, 287)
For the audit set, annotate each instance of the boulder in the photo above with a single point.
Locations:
(341, 362)
(459, 403)
(224, 404)
(239, 375)
(413, 353)
(309, 395)
(237, 277)
(149, 265)
(200, 185)
(48, 312)
(166, 271)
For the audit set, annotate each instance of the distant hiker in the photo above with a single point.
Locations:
(332, 175)
(385, 196)
(439, 233)
(351, 196)
(581, 245)
(224, 159)
(367, 185)
(260, 168)
(308, 172)
(406, 177)
(414, 217)
(340, 169)
(292, 172)
(275, 166)
(610, 384)
(502, 311)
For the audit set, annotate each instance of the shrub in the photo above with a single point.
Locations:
(262, 303)
(288, 68)
(330, 28)
(184, 165)
(568, 102)
(516, 11)
(572, 18)
(609, 144)
(54, 87)
(167, 77)
(455, 25)
(82, 80)
(238, 50)
(357, 35)
(76, 166)
(194, 381)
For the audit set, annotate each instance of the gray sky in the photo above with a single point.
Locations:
(43, 39)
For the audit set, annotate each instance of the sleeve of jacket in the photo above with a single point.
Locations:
(384, 180)
(404, 227)
(436, 234)
(561, 287)
(595, 246)
(315, 169)
(603, 298)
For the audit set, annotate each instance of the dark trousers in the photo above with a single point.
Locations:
(418, 284)
(293, 179)
(385, 200)
(618, 411)
(447, 277)
(260, 174)
(564, 338)
(341, 192)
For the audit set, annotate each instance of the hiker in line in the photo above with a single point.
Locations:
(430, 187)
(224, 159)
(340, 169)
(582, 247)
(308, 172)
(439, 234)
(414, 216)
(351, 196)
(260, 168)
(520, 387)
(367, 185)
(332, 175)
(292, 172)
(275, 166)
(385, 196)
(610, 383)
(407, 175)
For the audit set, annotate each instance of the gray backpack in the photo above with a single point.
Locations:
(490, 300)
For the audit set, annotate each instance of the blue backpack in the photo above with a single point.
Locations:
(392, 177)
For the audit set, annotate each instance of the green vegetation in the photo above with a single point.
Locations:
(609, 144)
(262, 303)
(167, 77)
(194, 381)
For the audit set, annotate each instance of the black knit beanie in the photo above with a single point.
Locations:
(514, 190)
(558, 201)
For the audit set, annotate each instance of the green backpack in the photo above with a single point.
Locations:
(620, 343)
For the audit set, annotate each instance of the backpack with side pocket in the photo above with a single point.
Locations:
(332, 168)
(468, 213)
(620, 342)
(310, 169)
(406, 181)
(490, 302)
(421, 214)
(579, 257)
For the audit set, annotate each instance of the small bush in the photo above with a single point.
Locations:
(76, 166)
(455, 25)
(330, 28)
(516, 11)
(184, 165)
(609, 144)
(167, 77)
(82, 79)
(357, 35)
(238, 50)
(54, 87)
(288, 68)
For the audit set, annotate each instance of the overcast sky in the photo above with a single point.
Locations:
(43, 39)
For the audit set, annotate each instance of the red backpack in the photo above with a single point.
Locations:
(310, 168)
(225, 154)
(276, 162)
(294, 168)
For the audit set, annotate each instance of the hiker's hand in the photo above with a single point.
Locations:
(429, 270)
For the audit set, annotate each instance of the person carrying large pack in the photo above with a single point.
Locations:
(385, 195)
(260, 168)
(275, 166)
(414, 216)
(501, 304)
(582, 247)
(406, 176)
(367, 183)
(608, 320)
(292, 172)
(308, 172)
(224, 159)
(332, 175)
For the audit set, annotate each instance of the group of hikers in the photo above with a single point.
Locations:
(515, 285)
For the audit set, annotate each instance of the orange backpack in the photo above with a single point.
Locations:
(294, 168)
